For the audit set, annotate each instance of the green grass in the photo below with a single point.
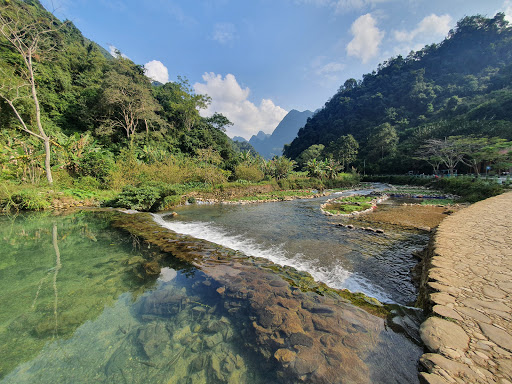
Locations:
(276, 195)
(349, 204)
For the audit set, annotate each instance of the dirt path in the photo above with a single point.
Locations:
(470, 334)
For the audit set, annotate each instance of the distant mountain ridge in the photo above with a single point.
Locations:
(270, 145)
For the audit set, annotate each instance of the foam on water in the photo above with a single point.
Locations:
(335, 277)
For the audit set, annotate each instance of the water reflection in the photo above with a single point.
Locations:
(85, 303)
(55, 274)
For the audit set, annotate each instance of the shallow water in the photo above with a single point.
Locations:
(78, 305)
(297, 234)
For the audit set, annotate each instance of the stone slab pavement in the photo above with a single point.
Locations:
(469, 336)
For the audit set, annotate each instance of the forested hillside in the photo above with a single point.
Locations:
(459, 87)
(64, 97)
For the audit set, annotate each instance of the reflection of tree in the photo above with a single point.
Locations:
(58, 265)
(56, 272)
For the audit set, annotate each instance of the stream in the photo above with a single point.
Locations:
(80, 303)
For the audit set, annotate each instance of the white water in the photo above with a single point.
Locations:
(335, 277)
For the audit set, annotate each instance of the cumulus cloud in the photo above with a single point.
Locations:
(428, 30)
(155, 70)
(430, 27)
(507, 8)
(367, 38)
(224, 33)
(116, 52)
(232, 100)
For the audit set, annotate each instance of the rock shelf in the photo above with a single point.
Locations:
(469, 290)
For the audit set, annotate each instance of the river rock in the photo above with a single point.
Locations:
(499, 336)
(443, 311)
(437, 333)
(285, 355)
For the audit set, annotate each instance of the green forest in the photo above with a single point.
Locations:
(77, 123)
(446, 105)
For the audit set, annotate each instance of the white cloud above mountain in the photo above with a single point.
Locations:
(430, 29)
(232, 100)
(367, 38)
(157, 71)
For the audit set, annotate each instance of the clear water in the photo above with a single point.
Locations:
(77, 307)
(296, 233)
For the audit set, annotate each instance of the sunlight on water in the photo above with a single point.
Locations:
(334, 276)
(78, 306)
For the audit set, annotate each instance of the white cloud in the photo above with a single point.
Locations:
(326, 72)
(224, 33)
(116, 52)
(230, 99)
(343, 6)
(507, 6)
(431, 27)
(155, 70)
(367, 38)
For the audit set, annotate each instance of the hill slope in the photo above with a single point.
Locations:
(461, 86)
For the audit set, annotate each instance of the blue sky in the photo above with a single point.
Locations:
(258, 59)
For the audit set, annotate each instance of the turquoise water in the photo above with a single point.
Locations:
(80, 304)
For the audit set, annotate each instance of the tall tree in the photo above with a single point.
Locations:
(32, 39)
(383, 141)
(127, 99)
(344, 150)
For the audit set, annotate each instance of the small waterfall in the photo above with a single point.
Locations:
(335, 277)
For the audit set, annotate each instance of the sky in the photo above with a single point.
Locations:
(259, 59)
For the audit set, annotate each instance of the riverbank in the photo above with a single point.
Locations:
(467, 286)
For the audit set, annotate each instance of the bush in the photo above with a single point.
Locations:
(248, 172)
(87, 183)
(343, 180)
(469, 189)
(26, 199)
(141, 198)
(169, 202)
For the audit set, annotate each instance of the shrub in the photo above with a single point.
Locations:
(248, 172)
(142, 198)
(27, 199)
(87, 183)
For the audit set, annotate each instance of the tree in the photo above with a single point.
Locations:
(449, 152)
(279, 167)
(181, 105)
(383, 141)
(127, 99)
(32, 40)
(219, 121)
(313, 152)
(315, 168)
(344, 150)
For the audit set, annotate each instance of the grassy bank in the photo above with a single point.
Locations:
(149, 192)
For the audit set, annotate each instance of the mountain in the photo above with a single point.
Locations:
(268, 145)
(239, 138)
(461, 86)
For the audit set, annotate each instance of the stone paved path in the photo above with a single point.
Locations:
(470, 334)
